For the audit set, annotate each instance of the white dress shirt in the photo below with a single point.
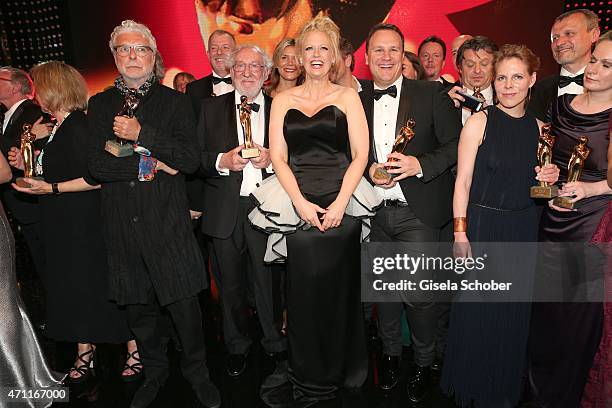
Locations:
(9, 113)
(385, 118)
(572, 88)
(488, 95)
(251, 176)
(222, 88)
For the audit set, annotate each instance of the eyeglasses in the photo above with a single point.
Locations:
(139, 50)
(255, 68)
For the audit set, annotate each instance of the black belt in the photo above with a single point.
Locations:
(394, 203)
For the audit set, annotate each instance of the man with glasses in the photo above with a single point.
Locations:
(154, 259)
(229, 179)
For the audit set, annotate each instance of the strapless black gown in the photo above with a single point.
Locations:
(326, 341)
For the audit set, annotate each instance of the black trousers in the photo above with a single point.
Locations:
(243, 252)
(150, 329)
(393, 224)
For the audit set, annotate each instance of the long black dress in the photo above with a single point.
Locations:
(78, 309)
(485, 354)
(326, 341)
(564, 336)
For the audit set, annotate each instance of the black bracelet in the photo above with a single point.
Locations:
(54, 188)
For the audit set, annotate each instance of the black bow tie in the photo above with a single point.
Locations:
(216, 80)
(566, 80)
(391, 91)
(254, 106)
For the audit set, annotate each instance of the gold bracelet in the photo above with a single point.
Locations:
(460, 224)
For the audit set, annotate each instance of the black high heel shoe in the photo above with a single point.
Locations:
(137, 367)
(85, 370)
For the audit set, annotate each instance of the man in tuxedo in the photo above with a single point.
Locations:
(417, 203)
(16, 90)
(475, 67)
(229, 179)
(220, 45)
(572, 35)
(432, 53)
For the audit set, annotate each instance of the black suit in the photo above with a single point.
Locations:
(198, 91)
(429, 200)
(234, 241)
(543, 93)
(23, 207)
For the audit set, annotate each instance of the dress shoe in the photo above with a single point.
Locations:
(235, 365)
(145, 395)
(436, 366)
(388, 372)
(280, 375)
(419, 384)
(207, 394)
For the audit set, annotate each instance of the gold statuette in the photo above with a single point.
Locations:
(249, 150)
(121, 147)
(545, 145)
(27, 151)
(574, 169)
(405, 135)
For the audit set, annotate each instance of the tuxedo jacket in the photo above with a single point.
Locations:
(543, 94)
(24, 207)
(217, 133)
(199, 90)
(434, 145)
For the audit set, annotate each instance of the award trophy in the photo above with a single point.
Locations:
(399, 146)
(120, 147)
(574, 169)
(27, 151)
(545, 145)
(249, 150)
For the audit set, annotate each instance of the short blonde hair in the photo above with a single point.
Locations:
(59, 86)
(327, 26)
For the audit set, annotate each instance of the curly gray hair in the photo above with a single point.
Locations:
(231, 60)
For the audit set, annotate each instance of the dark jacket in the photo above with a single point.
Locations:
(543, 94)
(146, 224)
(24, 207)
(217, 134)
(434, 145)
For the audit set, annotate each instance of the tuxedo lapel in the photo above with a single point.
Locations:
(403, 108)
(367, 98)
(231, 134)
(208, 86)
(14, 117)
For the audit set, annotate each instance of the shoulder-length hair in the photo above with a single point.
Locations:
(59, 86)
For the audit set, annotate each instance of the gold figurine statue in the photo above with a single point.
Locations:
(27, 151)
(574, 169)
(405, 135)
(544, 154)
(249, 150)
(120, 147)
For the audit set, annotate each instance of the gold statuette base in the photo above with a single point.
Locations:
(564, 202)
(382, 174)
(547, 192)
(21, 182)
(118, 149)
(249, 153)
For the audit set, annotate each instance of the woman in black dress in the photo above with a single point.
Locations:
(564, 336)
(311, 126)
(484, 361)
(78, 309)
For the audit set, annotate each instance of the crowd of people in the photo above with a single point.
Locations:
(277, 162)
